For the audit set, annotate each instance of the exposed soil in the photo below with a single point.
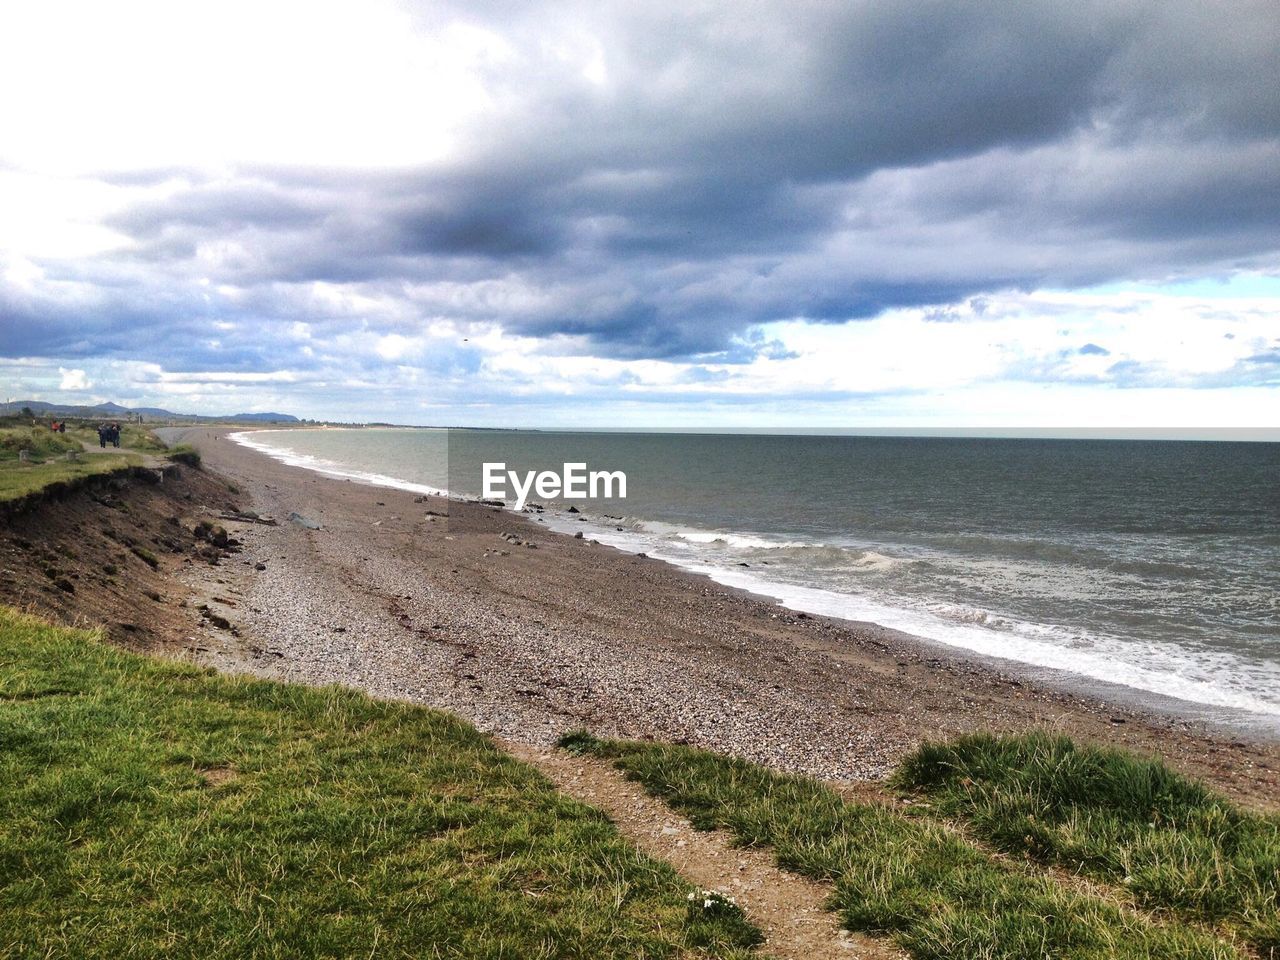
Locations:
(107, 553)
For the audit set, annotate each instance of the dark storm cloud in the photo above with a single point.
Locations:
(739, 164)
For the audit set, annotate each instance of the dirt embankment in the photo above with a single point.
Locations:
(105, 552)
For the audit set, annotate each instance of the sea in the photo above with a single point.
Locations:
(1151, 566)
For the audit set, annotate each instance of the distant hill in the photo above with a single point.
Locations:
(43, 409)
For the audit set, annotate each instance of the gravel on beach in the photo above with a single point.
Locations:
(529, 634)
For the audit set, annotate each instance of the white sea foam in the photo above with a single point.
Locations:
(1211, 678)
(738, 541)
(719, 539)
(871, 560)
(855, 557)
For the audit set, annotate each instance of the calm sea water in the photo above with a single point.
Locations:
(1152, 564)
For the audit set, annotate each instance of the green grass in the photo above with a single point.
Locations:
(19, 480)
(15, 433)
(1170, 841)
(937, 894)
(46, 451)
(153, 809)
(40, 443)
(185, 453)
(146, 556)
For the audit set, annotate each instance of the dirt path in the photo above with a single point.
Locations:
(148, 459)
(787, 907)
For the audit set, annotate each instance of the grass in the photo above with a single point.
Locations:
(39, 443)
(1170, 841)
(153, 809)
(16, 432)
(146, 556)
(937, 894)
(46, 452)
(17, 481)
(186, 454)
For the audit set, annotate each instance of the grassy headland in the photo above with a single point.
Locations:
(912, 876)
(154, 809)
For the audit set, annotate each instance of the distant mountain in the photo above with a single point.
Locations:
(109, 409)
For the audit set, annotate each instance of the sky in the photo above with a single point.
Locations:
(709, 214)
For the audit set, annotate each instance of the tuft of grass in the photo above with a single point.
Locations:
(709, 914)
(146, 556)
(139, 437)
(151, 809)
(937, 894)
(39, 443)
(1170, 841)
(186, 454)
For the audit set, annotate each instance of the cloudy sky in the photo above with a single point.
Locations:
(717, 214)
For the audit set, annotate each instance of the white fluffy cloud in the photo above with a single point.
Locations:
(73, 380)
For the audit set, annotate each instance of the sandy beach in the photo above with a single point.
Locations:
(529, 634)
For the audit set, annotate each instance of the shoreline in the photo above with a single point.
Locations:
(529, 633)
(1235, 720)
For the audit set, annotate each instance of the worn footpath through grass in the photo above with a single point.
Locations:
(154, 809)
(938, 894)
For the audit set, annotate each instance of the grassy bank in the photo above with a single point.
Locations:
(17, 481)
(939, 895)
(152, 809)
(1169, 841)
(46, 462)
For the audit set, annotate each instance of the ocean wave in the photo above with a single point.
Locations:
(1163, 569)
(720, 539)
(748, 544)
(860, 560)
(1211, 678)
(958, 613)
(740, 541)
(1023, 548)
